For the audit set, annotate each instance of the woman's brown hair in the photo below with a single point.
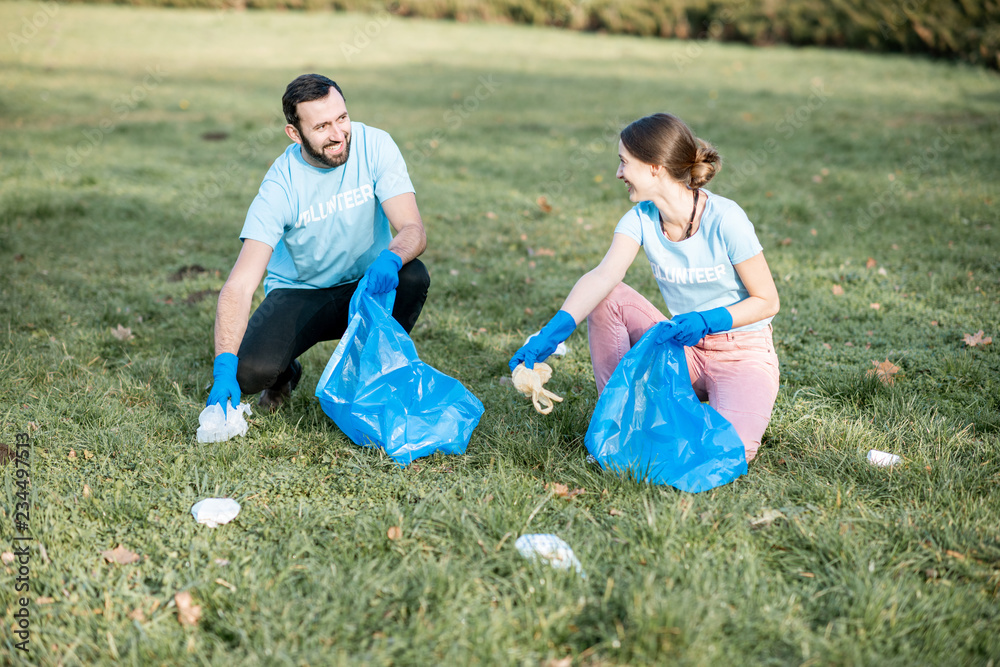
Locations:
(664, 139)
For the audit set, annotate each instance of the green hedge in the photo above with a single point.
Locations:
(964, 29)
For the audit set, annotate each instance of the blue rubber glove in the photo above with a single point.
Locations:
(383, 274)
(689, 328)
(225, 388)
(545, 342)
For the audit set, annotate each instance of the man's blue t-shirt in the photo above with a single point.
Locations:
(697, 273)
(327, 226)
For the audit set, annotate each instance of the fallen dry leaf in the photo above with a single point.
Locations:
(120, 555)
(871, 263)
(137, 615)
(972, 340)
(122, 333)
(614, 512)
(837, 290)
(785, 241)
(562, 491)
(545, 252)
(72, 455)
(875, 306)
(188, 613)
(543, 204)
(86, 491)
(394, 533)
(884, 371)
(491, 215)
(561, 662)
(766, 518)
(223, 582)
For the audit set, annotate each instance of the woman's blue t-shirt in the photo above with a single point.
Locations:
(697, 273)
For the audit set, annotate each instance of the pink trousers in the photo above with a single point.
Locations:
(737, 373)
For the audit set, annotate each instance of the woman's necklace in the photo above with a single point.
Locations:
(690, 225)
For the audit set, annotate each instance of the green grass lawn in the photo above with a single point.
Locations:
(132, 142)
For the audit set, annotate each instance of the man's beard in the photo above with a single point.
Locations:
(321, 157)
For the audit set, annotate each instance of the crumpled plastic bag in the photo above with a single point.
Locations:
(214, 512)
(882, 459)
(549, 548)
(649, 423)
(529, 382)
(217, 426)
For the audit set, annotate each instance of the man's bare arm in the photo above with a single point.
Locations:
(233, 311)
(411, 238)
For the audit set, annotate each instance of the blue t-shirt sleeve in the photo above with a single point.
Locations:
(631, 225)
(269, 215)
(391, 177)
(739, 236)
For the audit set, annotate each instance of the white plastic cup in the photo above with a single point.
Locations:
(882, 459)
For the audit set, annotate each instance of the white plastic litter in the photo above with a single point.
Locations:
(549, 548)
(214, 512)
(883, 459)
(561, 349)
(219, 427)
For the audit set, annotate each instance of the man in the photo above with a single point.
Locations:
(320, 222)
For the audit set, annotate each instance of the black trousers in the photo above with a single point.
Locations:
(290, 321)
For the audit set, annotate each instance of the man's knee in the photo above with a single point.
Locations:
(255, 374)
(414, 279)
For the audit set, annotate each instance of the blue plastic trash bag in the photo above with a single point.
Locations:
(649, 423)
(380, 394)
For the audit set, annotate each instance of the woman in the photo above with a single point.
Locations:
(711, 272)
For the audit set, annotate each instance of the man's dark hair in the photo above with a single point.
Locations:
(305, 88)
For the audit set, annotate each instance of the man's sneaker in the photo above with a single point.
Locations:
(273, 398)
